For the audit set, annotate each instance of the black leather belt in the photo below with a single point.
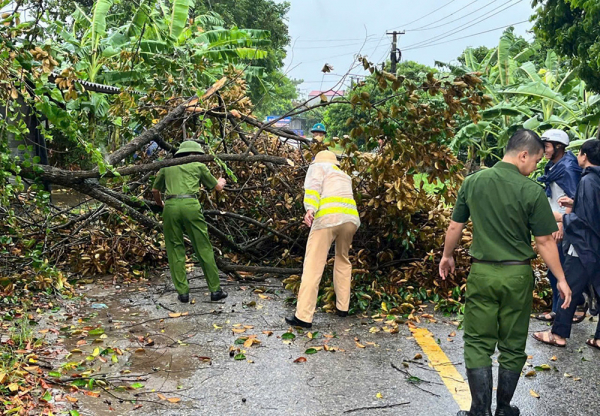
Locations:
(504, 263)
(181, 196)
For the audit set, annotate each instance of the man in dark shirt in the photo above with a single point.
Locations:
(581, 242)
(506, 208)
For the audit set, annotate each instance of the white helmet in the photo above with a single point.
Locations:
(555, 135)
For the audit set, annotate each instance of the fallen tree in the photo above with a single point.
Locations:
(256, 224)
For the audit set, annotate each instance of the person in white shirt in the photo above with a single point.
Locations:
(561, 176)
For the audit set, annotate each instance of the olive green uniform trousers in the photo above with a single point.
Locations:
(185, 216)
(498, 303)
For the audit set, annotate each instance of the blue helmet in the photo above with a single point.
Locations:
(318, 128)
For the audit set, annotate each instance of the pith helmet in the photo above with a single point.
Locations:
(326, 156)
(318, 128)
(189, 146)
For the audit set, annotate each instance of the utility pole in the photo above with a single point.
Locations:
(395, 54)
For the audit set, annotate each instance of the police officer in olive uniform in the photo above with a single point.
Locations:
(506, 208)
(183, 214)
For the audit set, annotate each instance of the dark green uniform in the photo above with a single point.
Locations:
(185, 216)
(505, 208)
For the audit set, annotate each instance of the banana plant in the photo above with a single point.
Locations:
(525, 97)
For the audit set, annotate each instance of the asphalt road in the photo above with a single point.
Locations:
(373, 366)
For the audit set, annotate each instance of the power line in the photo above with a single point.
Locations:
(462, 27)
(468, 36)
(427, 26)
(427, 15)
(334, 40)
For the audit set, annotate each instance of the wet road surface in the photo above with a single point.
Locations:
(362, 365)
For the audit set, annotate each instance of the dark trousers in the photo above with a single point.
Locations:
(578, 278)
(553, 283)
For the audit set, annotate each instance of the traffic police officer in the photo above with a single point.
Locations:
(318, 131)
(183, 213)
(506, 208)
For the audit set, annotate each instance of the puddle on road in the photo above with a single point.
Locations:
(128, 344)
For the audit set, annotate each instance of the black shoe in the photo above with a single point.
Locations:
(293, 321)
(183, 298)
(218, 295)
(507, 383)
(341, 314)
(480, 383)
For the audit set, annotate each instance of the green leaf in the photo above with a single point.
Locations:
(179, 17)
(504, 58)
(288, 335)
(73, 413)
(240, 341)
(532, 124)
(79, 383)
(137, 385)
(57, 95)
(541, 90)
(531, 71)
(239, 357)
(101, 9)
(310, 351)
(97, 331)
(54, 374)
(47, 396)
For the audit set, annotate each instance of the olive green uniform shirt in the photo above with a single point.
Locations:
(506, 208)
(184, 179)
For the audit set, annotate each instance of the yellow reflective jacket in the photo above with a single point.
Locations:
(328, 192)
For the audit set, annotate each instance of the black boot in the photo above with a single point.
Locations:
(507, 383)
(480, 383)
(218, 295)
(184, 298)
(341, 314)
(293, 321)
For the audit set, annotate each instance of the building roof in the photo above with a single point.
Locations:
(328, 93)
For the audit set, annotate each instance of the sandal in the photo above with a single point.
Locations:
(551, 339)
(546, 317)
(579, 318)
(593, 342)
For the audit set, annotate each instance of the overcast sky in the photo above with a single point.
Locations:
(332, 31)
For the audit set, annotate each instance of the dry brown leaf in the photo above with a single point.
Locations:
(300, 360)
(173, 399)
(534, 394)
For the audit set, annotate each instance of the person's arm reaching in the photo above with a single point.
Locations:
(549, 252)
(157, 198)
(313, 186)
(452, 239)
(221, 182)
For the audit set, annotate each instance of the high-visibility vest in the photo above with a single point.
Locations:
(328, 192)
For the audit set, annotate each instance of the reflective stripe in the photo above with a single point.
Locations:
(309, 200)
(313, 193)
(336, 210)
(338, 199)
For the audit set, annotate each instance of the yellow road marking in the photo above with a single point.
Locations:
(454, 382)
